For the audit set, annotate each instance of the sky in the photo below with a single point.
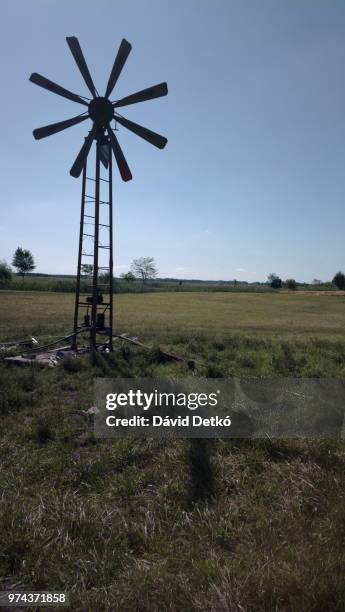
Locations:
(252, 179)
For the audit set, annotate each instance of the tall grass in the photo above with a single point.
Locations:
(152, 525)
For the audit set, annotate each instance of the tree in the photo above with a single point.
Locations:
(5, 273)
(274, 281)
(128, 276)
(316, 281)
(339, 280)
(86, 269)
(104, 277)
(291, 283)
(144, 268)
(23, 260)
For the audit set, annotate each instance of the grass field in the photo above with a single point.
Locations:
(169, 314)
(133, 525)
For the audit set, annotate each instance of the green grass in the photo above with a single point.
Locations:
(153, 525)
(278, 315)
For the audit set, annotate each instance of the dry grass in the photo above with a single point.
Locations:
(147, 525)
(267, 315)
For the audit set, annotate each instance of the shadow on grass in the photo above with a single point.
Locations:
(202, 485)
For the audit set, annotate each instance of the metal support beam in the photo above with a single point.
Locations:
(111, 259)
(93, 336)
(77, 293)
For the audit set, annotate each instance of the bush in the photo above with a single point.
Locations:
(290, 283)
(5, 274)
(339, 280)
(274, 281)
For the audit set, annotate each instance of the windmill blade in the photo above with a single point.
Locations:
(156, 91)
(139, 130)
(77, 53)
(53, 128)
(122, 165)
(40, 80)
(83, 153)
(122, 54)
(104, 155)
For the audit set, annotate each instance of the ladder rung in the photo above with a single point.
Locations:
(87, 254)
(92, 199)
(90, 216)
(90, 235)
(98, 305)
(100, 224)
(94, 180)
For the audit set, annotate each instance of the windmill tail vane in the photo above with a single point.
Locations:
(101, 110)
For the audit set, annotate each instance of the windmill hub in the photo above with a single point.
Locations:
(101, 111)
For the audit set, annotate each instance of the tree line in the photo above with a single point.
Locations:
(143, 269)
(276, 282)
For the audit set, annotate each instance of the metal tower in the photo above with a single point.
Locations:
(95, 309)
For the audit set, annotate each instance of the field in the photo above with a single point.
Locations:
(237, 526)
(280, 315)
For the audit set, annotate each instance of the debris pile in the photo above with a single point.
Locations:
(45, 356)
(48, 359)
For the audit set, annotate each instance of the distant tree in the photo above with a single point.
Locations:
(144, 268)
(104, 277)
(5, 272)
(274, 281)
(87, 269)
(23, 260)
(291, 283)
(128, 276)
(316, 281)
(339, 280)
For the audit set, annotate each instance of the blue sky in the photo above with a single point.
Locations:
(252, 180)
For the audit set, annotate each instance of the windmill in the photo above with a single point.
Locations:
(98, 314)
